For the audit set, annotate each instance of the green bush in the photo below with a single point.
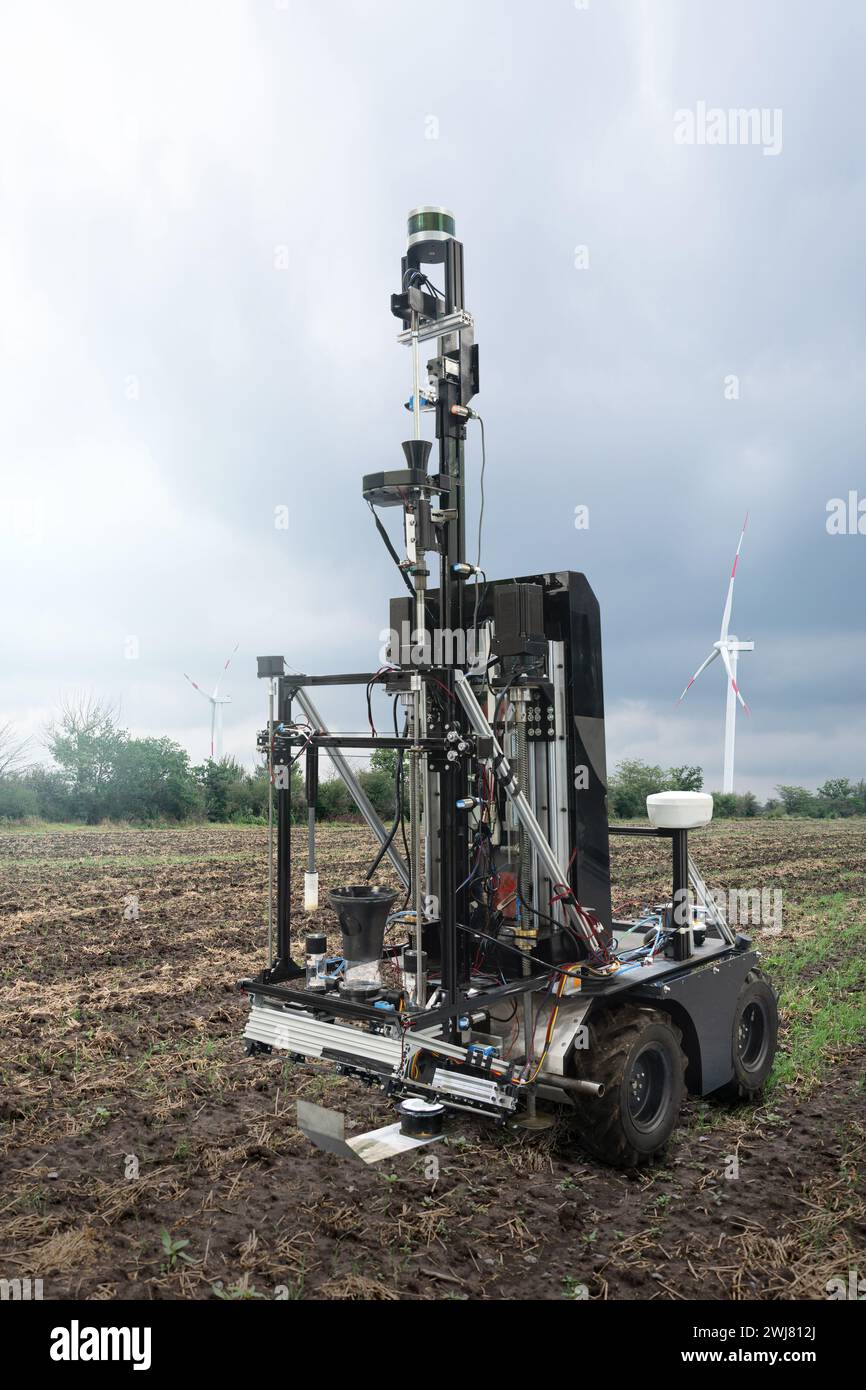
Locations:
(838, 797)
(52, 795)
(379, 786)
(231, 793)
(152, 780)
(334, 801)
(635, 780)
(17, 799)
(797, 801)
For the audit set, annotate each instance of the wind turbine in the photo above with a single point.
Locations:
(216, 708)
(728, 648)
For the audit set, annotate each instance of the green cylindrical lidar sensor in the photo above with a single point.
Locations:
(429, 228)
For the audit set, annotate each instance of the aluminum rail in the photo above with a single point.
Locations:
(514, 792)
(437, 328)
(356, 791)
(294, 1030)
(706, 900)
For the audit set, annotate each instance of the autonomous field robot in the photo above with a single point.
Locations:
(493, 981)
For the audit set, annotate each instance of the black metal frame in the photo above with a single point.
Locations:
(679, 855)
(333, 1005)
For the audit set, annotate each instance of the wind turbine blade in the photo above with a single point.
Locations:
(712, 656)
(225, 668)
(730, 670)
(196, 687)
(726, 616)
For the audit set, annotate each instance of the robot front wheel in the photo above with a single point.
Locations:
(637, 1054)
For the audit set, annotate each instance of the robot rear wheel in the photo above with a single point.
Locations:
(754, 1038)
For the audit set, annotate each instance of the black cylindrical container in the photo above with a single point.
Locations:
(421, 1119)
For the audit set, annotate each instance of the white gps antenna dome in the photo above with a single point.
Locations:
(679, 810)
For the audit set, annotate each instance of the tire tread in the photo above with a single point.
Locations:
(616, 1030)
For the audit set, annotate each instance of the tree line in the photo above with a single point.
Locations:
(634, 780)
(99, 772)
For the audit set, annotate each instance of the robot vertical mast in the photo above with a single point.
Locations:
(429, 313)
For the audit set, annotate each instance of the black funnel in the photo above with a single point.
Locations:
(362, 910)
(417, 452)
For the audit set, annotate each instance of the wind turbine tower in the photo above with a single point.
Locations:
(216, 708)
(728, 648)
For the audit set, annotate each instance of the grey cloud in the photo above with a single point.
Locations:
(166, 385)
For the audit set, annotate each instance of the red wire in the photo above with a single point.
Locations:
(441, 686)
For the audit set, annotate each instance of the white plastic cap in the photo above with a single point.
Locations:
(679, 810)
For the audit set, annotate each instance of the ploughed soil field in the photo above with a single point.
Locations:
(142, 1155)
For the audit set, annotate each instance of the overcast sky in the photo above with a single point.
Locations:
(202, 214)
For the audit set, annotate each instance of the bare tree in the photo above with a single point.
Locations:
(13, 751)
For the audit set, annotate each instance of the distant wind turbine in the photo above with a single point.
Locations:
(729, 648)
(216, 708)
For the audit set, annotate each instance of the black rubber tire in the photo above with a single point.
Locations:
(637, 1056)
(754, 1038)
